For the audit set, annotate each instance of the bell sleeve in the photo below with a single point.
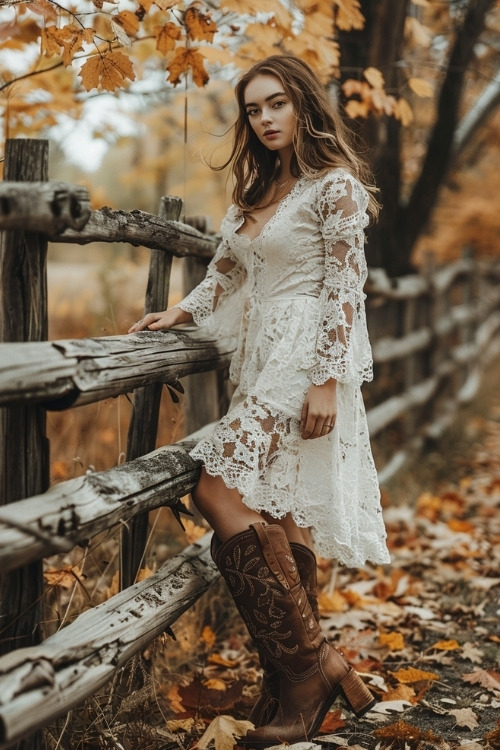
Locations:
(343, 349)
(216, 303)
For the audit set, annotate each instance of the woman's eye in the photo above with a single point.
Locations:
(279, 104)
(252, 112)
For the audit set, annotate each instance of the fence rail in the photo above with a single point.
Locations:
(432, 335)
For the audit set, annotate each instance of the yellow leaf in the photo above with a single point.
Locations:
(128, 21)
(114, 588)
(183, 60)
(333, 602)
(166, 4)
(193, 531)
(354, 108)
(411, 674)
(65, 577)
(223, 732)
(175, 700)
(166, 36)
(403, 112)
(374, 78)
(208, 636)
(221, 661)
(199, 25)
(393, 641)
(214, 684)
(446, 645)
(420, 86)
(143, 574)
(107, 70)
(349, 15)
(70, 38)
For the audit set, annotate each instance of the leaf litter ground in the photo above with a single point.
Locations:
(424, 631)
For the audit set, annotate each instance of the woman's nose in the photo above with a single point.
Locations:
(266, 115)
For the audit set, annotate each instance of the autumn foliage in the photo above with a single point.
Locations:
(106, 49)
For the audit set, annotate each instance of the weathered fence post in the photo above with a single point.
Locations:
(144, 423)
(206, 392)
(24, 457)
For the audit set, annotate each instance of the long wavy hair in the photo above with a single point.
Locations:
(322, 139)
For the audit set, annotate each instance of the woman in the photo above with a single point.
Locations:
(290, 464)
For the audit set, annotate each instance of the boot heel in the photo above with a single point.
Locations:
(356, 694)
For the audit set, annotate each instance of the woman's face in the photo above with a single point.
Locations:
(270, 113)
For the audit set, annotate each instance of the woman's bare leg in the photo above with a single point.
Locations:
(223, 507)
(227, 514)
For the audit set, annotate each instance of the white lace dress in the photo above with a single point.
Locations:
(293, 298)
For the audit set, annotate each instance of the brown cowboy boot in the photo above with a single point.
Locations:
(262, 576)
(267, 703)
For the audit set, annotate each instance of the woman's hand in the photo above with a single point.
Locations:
(159, 320)
(319, 410)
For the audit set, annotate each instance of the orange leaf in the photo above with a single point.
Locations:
(221, 661)
(393, 641)
(403, 112)
(333, 602)
(183, 60)
(166, 37)
(403, 731)
(65, 577)
(128, 21)
(70, 38)
(400, 693)
(356, 109)
(349, 15)
(199, 25)
(446, 645)
(374, 78)
(332, 721)
(175, 700)
(456, 525)
(214, 684)
(420, 87)
(208, 636)
(107, 70)
(411, 674)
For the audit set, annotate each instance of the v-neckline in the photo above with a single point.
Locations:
(269, 221)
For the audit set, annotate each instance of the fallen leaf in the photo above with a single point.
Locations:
(487, 679)
(472, 653)
(465, 717)
(445, 645)
(411, 674)
(388, 707)
(393, 641)
(223, 731)
(332, 721)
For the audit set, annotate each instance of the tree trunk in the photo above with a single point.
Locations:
(24, 463)
(415, 215)
(379, 44)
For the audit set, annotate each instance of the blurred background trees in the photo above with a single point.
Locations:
(137, 94)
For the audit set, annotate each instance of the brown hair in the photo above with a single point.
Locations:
(322, 140)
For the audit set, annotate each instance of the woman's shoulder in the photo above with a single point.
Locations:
(336, 183)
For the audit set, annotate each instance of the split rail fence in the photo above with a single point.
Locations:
(432, 335)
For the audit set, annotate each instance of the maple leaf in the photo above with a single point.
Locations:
(43, 8)
(185, 59)
(223, 731)
(70, 38)
(65, 577)
(472, 653)
(332, 721)
(199, 25)
(166, 37)
(349, 15)
(486, 678)
(107, 70)
(465, 717)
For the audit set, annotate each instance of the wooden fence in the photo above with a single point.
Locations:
(432, 335)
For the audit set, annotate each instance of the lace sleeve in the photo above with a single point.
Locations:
(342, 347)
(225, 276)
